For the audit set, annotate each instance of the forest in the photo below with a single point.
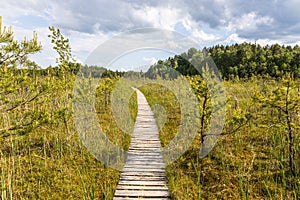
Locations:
(237, 61)
(257, 155)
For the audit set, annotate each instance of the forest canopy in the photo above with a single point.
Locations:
(235, 61)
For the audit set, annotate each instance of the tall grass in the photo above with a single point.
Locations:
(249, 163)
(48, 163)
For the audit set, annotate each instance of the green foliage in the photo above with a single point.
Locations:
(251, 158)
(23, 92)
(14, 53)
(282, 104)
(63, 84)
(104, 90)
(200, 87)
(234, 61)
(62, 47)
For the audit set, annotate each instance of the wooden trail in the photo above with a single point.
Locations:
(143, 175)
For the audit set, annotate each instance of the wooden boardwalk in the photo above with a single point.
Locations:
(143, 176)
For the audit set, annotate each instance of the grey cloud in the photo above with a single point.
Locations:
(219, 14)
(91, 16)
(285, 15)
(206, 11)
(88, 16)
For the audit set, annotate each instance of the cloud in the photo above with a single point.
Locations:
(113, 16)
(151, 60)
(13, 9)
(89, 23)
(249, 22)
(206, 12)
(234, 38)
(204, 37)
(93, 16)
(164, 17)
(139, 39)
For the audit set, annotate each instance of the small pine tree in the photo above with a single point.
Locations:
(20, 87)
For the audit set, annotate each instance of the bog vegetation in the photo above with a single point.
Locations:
(257, 155)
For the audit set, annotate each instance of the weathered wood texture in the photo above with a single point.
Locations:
(143, 176)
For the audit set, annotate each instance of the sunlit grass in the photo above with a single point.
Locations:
(49, 164)
(248, 164)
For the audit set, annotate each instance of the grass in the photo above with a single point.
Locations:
(250, 163)
(49, 164)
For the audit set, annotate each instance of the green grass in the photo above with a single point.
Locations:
(250, 163)
(49, 164)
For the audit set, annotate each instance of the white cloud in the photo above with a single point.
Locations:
(234, 38)
(89, 23)
(204, 37)
(160, 17)
(12, 9)
(249, 21)
(151, 60)
(265, 42)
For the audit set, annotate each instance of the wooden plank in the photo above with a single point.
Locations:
(141, 193)
(137, 153)
(147, 163)
(143, 162)
(145, 183)
(147, 141)
(141, 154)
(155, 143)
(133, 198)
(153, 166)
(144, 172)
(143, 178)
(151, 155)
(145, 156)
(144, 168)
(149, 137)
(138, 187)
(148, 149)
(145, 145)
(148, 155)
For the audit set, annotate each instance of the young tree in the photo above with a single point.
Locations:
(66, 76)
(20, 88)
(283, 100)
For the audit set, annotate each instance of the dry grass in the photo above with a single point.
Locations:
(249, 164)
(48, 164)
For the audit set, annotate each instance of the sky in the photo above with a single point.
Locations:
(90, 23)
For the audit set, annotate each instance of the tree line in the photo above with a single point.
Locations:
(234, 61)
